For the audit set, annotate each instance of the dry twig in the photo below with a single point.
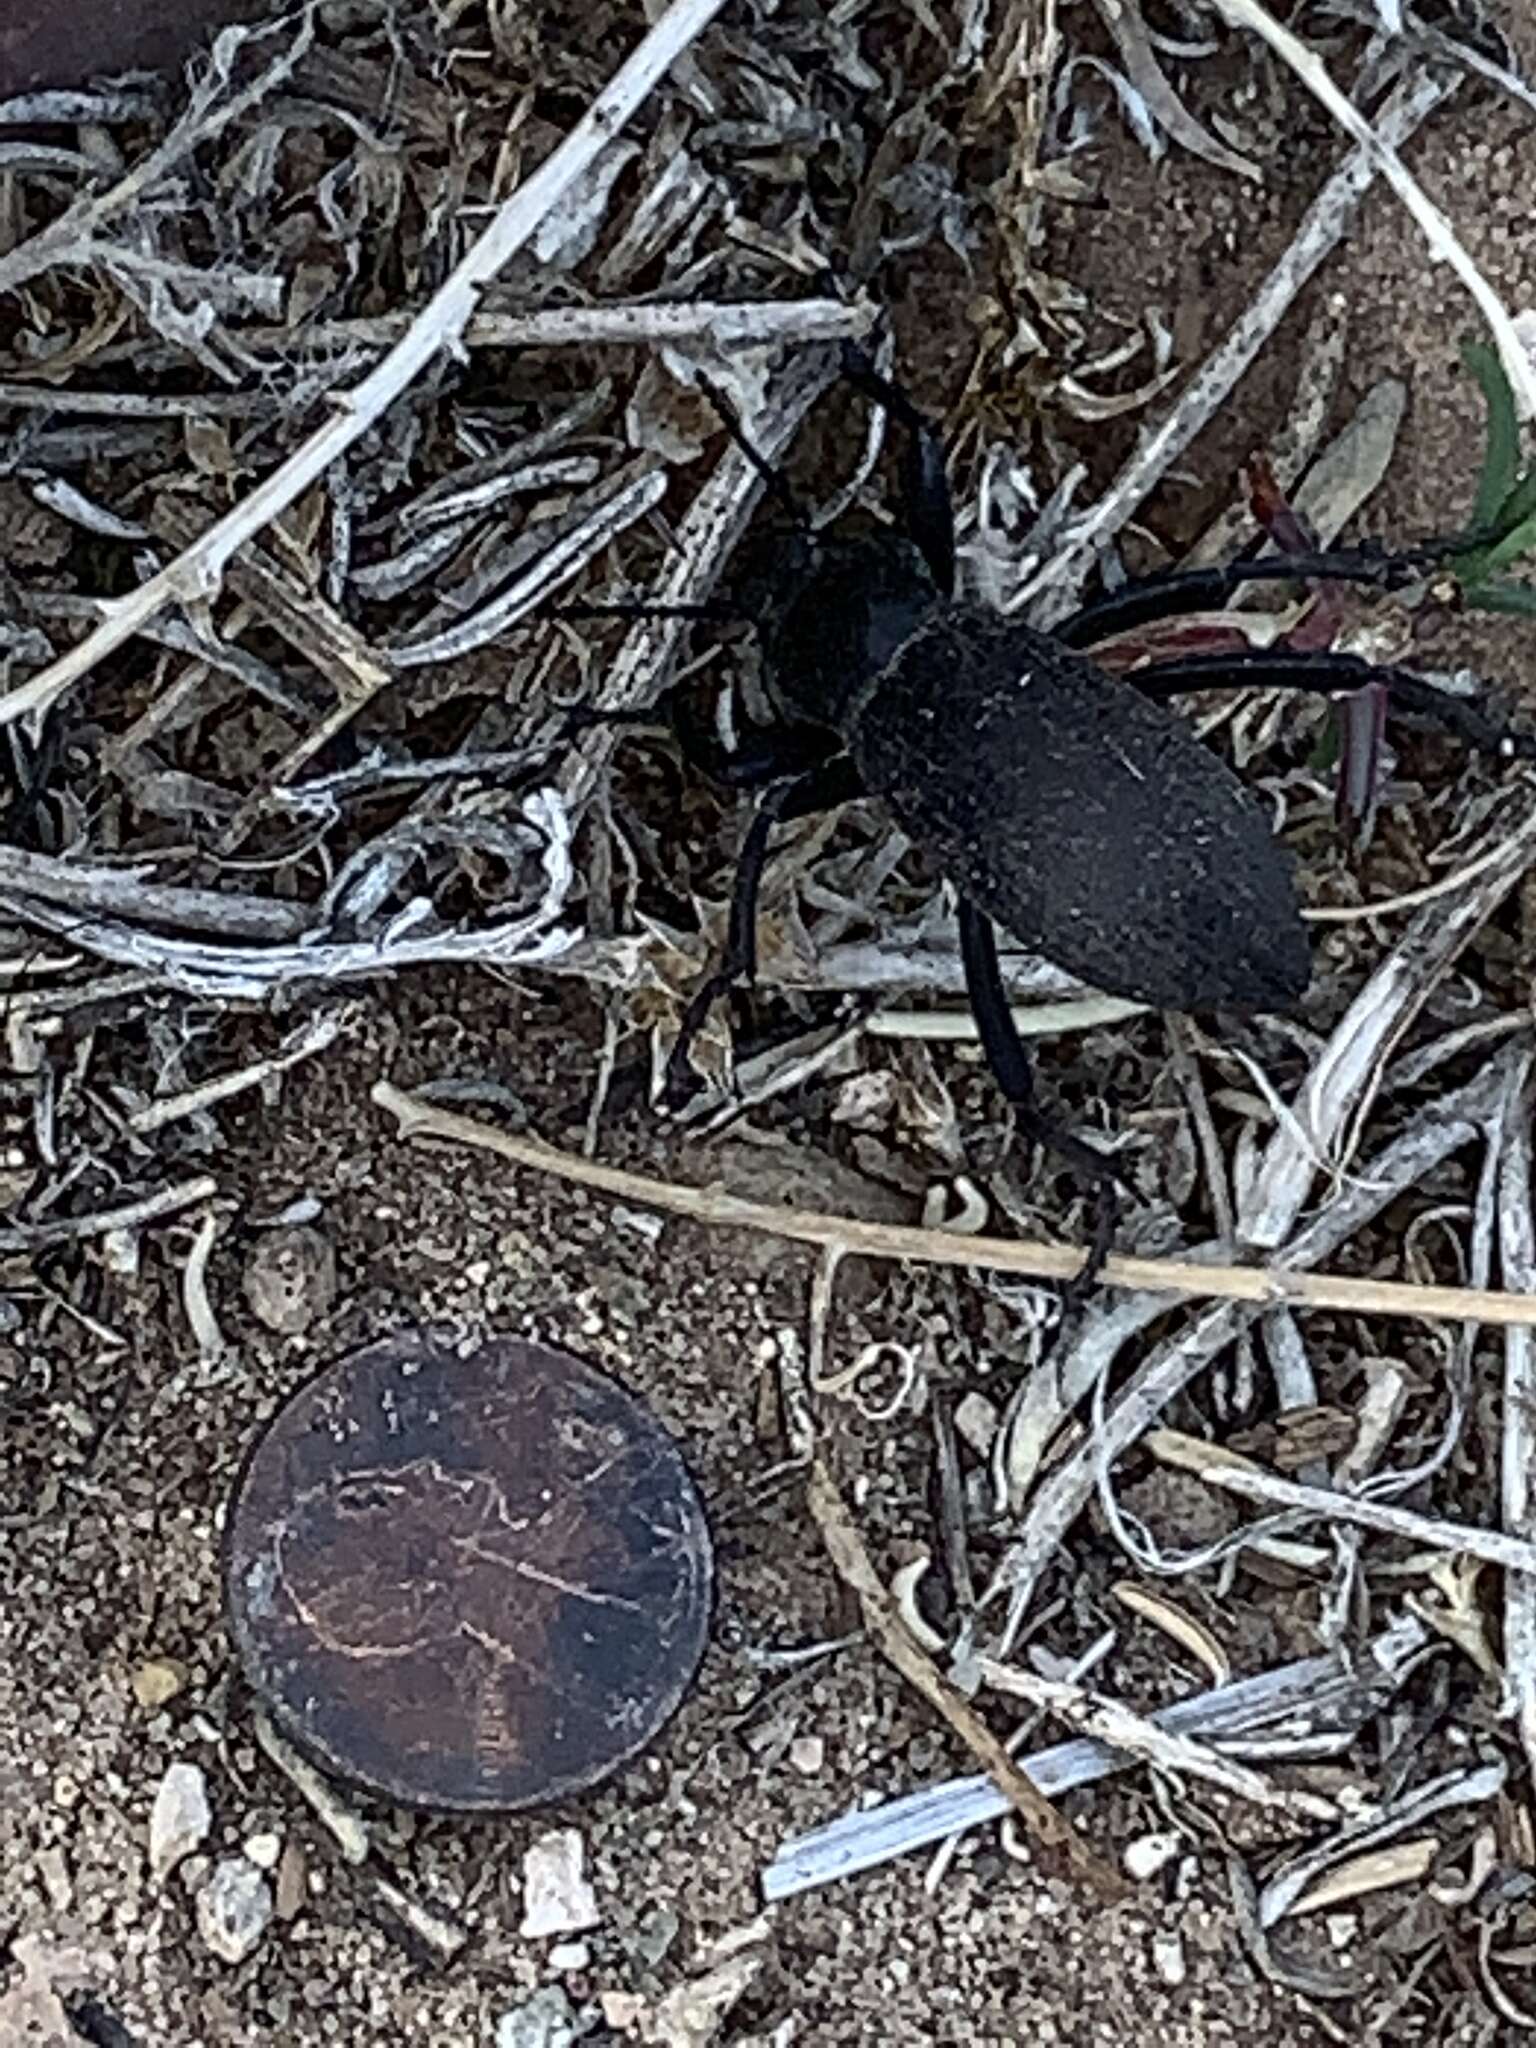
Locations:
(196, 573)
(846, 1548)
(1260, 1286)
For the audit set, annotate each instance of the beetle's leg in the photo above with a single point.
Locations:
(1290, 669)
(1011, 1068)
(1187, 590)
(925, 500)
(822, 788)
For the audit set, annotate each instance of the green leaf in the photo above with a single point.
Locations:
(1518, 540)
(1503, 594)
(1501, 454)
(1520, 505)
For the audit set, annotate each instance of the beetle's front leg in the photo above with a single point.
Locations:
(1323, 671)
(1014, 1074)
(761, 757)
(822, 788)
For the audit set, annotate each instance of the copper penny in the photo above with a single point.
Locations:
(467, 1583)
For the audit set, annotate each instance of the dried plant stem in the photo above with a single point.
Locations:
(727, 323)
(311, 1038)
(1163, 1373)
(98, 889)
(63, 240)
(1262, 1286)
(196, 573)
(1234, 1474)
(846, 1549)
(1086, 1712)
(34, 1237)
(1517, 1260)
(1320, 232)
(1438, 232)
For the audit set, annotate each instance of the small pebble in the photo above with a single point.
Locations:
(292, 1881)
(976, 1421)
(569, 1955)
(264, 1849)
(157, 1682)
(547, 2020)
(179, 1819)
(1148, 1854)
(56, 1880)
(621, 2009)
(233, 1909)
(290, 1278)
(556, 1896)
(1343, 1930)
(1168, 1959)
(653, 1938)
(808, 1753)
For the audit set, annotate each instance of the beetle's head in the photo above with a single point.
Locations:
(832, 610)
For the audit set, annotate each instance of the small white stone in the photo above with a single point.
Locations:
(1168, 1959)
(556, 1896)
(621, 2009)
(546, 2021)
(179, 1819)
(569, 1955)
(808, 1753)
(265, 1849)
(233, 1909)
(1148, 1854)
(1343, 1929)
(976, 1422)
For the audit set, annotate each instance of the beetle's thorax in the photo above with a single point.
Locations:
(851, 604)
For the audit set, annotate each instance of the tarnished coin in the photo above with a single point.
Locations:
(467, 1583)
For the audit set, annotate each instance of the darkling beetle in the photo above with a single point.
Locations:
(1065, 805)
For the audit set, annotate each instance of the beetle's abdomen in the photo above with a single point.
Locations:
(1091, 825)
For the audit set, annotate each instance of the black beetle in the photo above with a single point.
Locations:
(1067, 805)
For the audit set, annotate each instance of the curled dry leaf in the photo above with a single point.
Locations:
(1378, 1870)
(1457, 1613)
(1177, 1622)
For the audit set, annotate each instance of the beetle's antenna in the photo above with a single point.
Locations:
(643, 608)
(771, 476)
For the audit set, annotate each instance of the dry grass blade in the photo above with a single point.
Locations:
(1089, 1713)
(1444, 245)
(1517, 1260)
(123, 1216)
(1260, 1286)
(846, 1549)
(1086, 1363)
(1315, 1706)
(1332, 1106)
(196, 573)
(1124, 21)
(1249, 1482)
(1326, 222)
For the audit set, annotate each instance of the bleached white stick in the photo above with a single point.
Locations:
(195, 573)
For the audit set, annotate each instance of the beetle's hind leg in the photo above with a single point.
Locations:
(822, 788)
(1014, 1073)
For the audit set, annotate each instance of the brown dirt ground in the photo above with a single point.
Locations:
(114, 1478)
